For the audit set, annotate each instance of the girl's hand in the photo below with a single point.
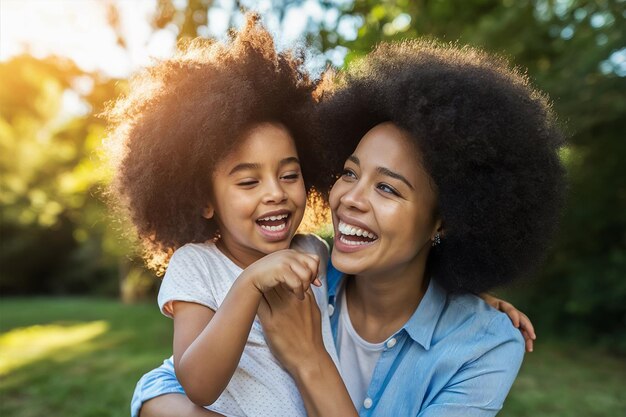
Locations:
(292, 328)
(292, 270)
(519, 319)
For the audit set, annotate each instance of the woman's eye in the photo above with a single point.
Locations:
(348, 174)
(386, 188)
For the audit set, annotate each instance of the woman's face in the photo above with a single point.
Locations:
(384, 207)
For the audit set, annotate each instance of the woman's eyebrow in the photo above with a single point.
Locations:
(390, 173)
(354, 159)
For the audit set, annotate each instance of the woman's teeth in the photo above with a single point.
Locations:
(349, 230)
(343, 239)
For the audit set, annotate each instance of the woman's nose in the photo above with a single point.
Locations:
(355, 197)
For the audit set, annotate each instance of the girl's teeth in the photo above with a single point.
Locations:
(274, 228)
(274, 218)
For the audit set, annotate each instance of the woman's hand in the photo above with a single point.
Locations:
(292, 328)
(293, 331)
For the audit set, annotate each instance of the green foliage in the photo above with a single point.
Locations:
(56, 236)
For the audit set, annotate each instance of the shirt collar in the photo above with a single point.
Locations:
(421, 326)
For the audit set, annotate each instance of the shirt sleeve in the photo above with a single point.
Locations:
(187, 278)
(479, 388)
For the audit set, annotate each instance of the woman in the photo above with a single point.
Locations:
(451, 185)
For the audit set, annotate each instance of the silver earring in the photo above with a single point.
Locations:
(437, 239)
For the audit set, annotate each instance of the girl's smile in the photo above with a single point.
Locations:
(275, 225)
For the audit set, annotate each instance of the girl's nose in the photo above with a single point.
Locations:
(274, 193)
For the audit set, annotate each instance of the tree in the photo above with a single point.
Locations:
(56, 237)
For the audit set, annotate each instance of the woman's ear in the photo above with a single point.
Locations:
(208, 211)
(439, 228)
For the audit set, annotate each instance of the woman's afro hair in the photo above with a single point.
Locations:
(487, 138)
(181, 116)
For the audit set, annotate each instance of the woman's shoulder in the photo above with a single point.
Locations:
(472, 314)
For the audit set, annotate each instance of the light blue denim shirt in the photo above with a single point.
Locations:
(456, 356)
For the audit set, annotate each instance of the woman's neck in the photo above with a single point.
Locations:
(380, 304)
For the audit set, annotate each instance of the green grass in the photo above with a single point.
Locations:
(103, 347)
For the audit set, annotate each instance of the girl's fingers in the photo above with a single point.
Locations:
(527, 325)
(295, 286)
(302, 273)
(528, 341)
(313, 264)
(512, 312)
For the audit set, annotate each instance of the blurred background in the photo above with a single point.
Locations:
(78, 317)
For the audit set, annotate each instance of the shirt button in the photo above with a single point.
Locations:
(391, 342)
(368, 403)
(331, 309)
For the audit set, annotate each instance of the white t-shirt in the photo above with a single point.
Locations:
(357, 357)
(202, 274)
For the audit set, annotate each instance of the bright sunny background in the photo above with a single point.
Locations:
(78, 321)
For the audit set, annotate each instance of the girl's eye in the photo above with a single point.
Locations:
(386, 188)
(348, 174)
(248, 183)
(291, 177)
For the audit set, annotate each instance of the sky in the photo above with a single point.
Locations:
(78, 29)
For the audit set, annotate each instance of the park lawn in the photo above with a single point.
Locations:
(82, 357)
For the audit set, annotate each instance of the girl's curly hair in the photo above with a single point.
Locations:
(488, 139)
(181, 116)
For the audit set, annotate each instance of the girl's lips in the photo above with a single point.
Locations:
(278, 231)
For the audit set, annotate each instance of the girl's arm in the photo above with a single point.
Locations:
(519, 319)
(293, 331)
(208, 345)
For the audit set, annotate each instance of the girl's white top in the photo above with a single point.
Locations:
(202, 274)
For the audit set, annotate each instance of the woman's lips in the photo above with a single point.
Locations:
(351, 238)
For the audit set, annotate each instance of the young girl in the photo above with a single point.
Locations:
(215, 144)
(213, 148)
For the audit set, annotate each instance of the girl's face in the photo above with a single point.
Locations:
(384, 207)
(258, 195)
